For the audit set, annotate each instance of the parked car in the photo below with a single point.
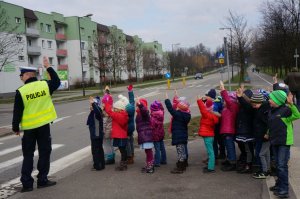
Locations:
(198, 76)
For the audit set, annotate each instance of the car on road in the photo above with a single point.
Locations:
(198, 76)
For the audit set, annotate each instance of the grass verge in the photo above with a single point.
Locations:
(193, 128)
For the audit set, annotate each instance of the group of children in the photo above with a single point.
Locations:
(260, 123)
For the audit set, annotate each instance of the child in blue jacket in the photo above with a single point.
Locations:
(95, 123)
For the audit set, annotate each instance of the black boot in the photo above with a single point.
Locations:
(230, 167)
(180, 168)
(122, 166)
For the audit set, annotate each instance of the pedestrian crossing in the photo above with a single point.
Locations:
(4, 166)
(10, 187)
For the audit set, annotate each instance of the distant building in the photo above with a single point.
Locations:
(77, 47)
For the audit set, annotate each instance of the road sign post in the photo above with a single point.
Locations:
(168, 76)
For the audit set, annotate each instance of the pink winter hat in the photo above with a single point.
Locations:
(183, 105)
(107, 99)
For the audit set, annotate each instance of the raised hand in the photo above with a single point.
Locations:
(222, 85)
(275, 79)
(167, 96)
(137, 100)
(46, 62)
(289, 98)
(91, 99)
(130, 87)
(242, 87)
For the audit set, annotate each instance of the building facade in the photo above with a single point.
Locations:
(78, 48)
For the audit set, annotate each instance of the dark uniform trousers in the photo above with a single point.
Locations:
(42, 137)
(98, 153)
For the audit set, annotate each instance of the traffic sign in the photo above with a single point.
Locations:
(168, 75)
(221, 61)
(221, 56)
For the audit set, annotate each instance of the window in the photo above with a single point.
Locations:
(30, 60)
(82, 45)
(83, 60)
(18, 20)
(21, 58)
(29, 42)
(50, 60)
(42, 26)
(19, 39)
(49, 44)
(43, 43)
(82, 31)
(48, 28)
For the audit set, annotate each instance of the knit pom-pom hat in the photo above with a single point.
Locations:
(278, 97)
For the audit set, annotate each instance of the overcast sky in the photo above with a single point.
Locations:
(188, 22)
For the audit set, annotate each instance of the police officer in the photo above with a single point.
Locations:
(33, 111)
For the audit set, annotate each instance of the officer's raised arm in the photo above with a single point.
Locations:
(54, 81)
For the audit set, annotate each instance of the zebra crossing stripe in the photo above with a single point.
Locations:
(10, 150)
(55, 166)
(8, 164)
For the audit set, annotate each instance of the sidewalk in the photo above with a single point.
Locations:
(109, 183)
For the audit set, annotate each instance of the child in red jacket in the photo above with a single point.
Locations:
(119, 128)
(207, 125)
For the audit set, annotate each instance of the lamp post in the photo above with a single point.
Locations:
(82, 76)
(231, 57)
(173, 70)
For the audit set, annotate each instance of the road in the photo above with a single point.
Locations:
(70, 136)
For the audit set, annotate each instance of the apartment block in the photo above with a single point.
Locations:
(78, 48)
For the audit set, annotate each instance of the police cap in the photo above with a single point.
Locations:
(25, 69)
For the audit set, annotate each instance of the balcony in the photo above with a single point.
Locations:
(60, 37)
(61, 52)
(62, 67)
(34, 50)
(32, 32)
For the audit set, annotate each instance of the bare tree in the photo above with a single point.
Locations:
(138, 58)
(117, 46)
(241, 40)
(10, 42)
(278, 35)
(148, 61)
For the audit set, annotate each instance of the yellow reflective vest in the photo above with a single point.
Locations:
(38, 107)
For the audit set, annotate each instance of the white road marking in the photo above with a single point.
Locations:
(1, 143)
(150, 94)
(8, 164)
(263, 79)
(60, 119)
(56, 166)
(80, 113)
(199, 85)
(7, 126)
(9, 150)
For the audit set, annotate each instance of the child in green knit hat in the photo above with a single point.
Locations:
(280, 122)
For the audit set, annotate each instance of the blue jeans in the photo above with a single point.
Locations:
(160, 153)
(282, 154)
(230, 147)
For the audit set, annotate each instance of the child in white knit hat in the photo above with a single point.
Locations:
(119, 128)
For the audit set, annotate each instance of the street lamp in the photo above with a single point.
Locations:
(82, 76)
(173, 70)
(231, 57)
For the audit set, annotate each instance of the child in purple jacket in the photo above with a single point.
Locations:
(157, 123)
(145, 133)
